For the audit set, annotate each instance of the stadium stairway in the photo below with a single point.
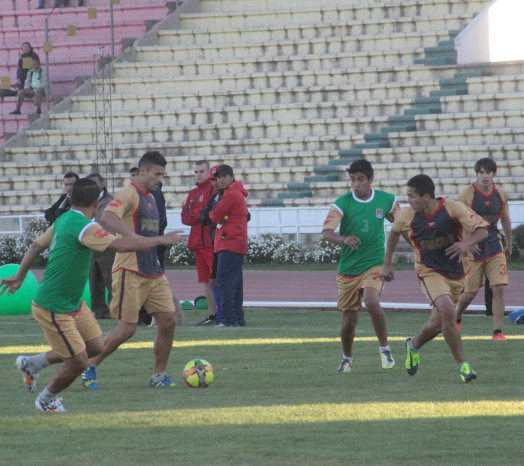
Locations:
(282, 91)
(73, 58)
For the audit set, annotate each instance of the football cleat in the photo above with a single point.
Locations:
(498, 337)
(165, 382)
(53, 406)
(387, 360)
(345, 365)
(412, 359)
(89, 378)
(29, 375)
(466, 373)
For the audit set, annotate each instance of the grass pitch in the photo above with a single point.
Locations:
(276, 398)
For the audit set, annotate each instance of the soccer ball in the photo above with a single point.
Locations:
(198, 373)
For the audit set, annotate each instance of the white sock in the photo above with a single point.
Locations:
(46, 395)
(38, 361)
(158, 376)
(381, 349)
(347, 357)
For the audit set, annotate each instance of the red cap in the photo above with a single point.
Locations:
(213, 171)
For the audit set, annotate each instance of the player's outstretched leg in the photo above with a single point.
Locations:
(29, 373)
(413, 358)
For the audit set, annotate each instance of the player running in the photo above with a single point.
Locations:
(68, 324)
(360, 214)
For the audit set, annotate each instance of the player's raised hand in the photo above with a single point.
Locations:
(175, 237)
(456, 250)
(11, 284)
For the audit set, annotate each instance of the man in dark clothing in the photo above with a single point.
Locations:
(64, 201)
(101, 261)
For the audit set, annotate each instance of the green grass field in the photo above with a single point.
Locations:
(276, 399)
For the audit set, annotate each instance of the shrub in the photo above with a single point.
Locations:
(13, 247)
(290, 252)
(518, 236)
(325, 252)
(179, 254)
(9, 250)
(260, 249)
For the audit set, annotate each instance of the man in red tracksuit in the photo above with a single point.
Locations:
(230, 217)
(200, 236)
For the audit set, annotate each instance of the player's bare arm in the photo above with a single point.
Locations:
(456, 250)
(139, 243)
(114, 223)
(351, 241)
(506, 226)
(15, 282)
(387, 269)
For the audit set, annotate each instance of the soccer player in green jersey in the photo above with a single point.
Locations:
(360, 214)
(68, 324)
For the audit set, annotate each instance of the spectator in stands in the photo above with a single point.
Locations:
(22, 69)
(489, 257)
(101, 261)
(35, 86)
(199, 236)
(230, 217)
(64, 201)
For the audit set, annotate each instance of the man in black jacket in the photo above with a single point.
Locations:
(64, 201)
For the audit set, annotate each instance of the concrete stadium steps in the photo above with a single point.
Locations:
(256, 130)
(292, 62)
(295, 14)
(458, 137)
(202, 37)
(147, 9)
(503, 101)
(20, 5)
(242, 114)
(362, 78)
(315, 46)
(274, 97)
(444, 154)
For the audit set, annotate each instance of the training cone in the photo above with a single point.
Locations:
(19, 302)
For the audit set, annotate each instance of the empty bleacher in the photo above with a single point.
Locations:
(289, 94)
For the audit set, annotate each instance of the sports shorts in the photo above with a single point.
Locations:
(131, 291)
(434, 284)
(494, 269)
(204, 263)
(350, 288)
(66, 334)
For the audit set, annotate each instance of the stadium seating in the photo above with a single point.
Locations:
(73, 57)
(289, 94)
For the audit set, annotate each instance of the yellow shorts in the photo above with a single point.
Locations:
(434, 284)
(131, 291)
(67, 333)
(350, 288)
(494, 269)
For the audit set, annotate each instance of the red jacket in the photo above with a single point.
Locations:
(230, 217)
(199, 236)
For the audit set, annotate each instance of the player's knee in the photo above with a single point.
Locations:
(166, 320)
(78, 363)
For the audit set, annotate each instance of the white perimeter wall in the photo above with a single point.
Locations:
(495, 35)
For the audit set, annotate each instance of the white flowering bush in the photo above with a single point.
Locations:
(325, 252)
(14, 247)
(290, 252)
(179, 254)
(260, 249)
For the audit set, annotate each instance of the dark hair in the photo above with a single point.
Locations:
(30, 46)
(224, 170)
(202, 162)
(85, 192)
(71, 175)
(95, 175)
(36, 58)
(486, 164)
(361, 165)
(422, 184)
(152, 158)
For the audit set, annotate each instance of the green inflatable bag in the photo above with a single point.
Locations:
(19, 302)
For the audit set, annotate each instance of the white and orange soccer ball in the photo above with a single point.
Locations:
(198, 373)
